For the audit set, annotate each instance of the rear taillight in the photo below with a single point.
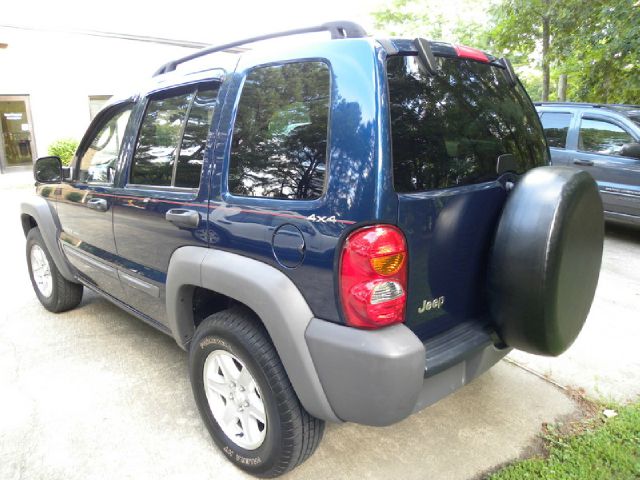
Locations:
(471, 53)
(373, 277)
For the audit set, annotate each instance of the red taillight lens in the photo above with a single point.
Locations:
(471, 53)
(373, 277)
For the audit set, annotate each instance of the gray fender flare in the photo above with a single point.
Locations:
(268, 292)
(47, 220)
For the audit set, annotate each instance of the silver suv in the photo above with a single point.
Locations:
(603, 140)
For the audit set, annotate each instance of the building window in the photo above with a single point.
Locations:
(96, 102)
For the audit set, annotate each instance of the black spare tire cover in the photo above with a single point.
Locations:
(545, 259)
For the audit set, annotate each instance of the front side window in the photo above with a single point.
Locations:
(556, 127)
(279, 145)
(449, 129)
(599, 136)
(98, 162)
(173, 137)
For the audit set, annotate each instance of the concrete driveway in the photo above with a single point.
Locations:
(95, 393)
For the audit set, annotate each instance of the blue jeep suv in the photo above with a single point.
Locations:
(341, 230)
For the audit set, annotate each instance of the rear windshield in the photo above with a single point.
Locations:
(449, 129)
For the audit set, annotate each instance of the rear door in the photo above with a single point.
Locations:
(85, 204)
(162, 202)
(600, 141)
(448, 131)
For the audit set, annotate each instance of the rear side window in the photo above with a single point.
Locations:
(279, 145)
(449, 129)
(556, 127)
(599, 136)
(172, 139)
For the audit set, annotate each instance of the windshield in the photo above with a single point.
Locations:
(449, 129)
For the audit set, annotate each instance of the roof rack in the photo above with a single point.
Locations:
(338, 30)
(569, 104)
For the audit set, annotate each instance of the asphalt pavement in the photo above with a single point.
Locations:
(96, 394)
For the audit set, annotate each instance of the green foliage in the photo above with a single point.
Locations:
(596, 43)
(435, 19)
(532, 81)
(609, 452)
(602, 54)
(73, 197)
(64, 148)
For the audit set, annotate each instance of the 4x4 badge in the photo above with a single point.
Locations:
(431, 304)
(319, 218)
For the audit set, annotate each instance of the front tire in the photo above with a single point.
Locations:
(245, 398)
(56, 293)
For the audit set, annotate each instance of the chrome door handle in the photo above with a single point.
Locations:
(99, 204)
(181, 217)
(583, 163)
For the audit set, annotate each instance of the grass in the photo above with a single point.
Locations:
(605, 448)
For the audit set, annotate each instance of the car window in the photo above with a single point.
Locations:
(556, 127)
(600, 136)
(158, 140)
(173, 137)
(194, 140)
(279, 144)
(98, 162)
(449, 129)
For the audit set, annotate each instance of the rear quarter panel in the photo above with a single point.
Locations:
(354, 180)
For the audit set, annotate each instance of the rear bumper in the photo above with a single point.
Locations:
(380, 377)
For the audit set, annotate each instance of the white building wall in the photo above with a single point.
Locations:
(59, 71)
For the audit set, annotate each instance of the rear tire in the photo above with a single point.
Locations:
(56, 293)
(289, 434)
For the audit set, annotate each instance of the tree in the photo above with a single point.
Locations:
(456, 21)
(523, 26)
(602, 56)
(596, 43)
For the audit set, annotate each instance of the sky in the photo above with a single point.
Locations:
(208, 21)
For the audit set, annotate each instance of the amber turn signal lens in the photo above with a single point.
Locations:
(388, 264)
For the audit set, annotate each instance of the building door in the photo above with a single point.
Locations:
(16, 138)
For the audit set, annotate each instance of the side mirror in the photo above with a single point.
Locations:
(48, 170)
(630, 150)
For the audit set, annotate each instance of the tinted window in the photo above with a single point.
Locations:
(280, 135)
(556, 127)
(174, 126)
(599, 136)
(98, 162)
(194, 140)
(159, 139)
(449, 129)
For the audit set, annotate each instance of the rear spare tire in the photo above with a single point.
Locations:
(545, 259)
